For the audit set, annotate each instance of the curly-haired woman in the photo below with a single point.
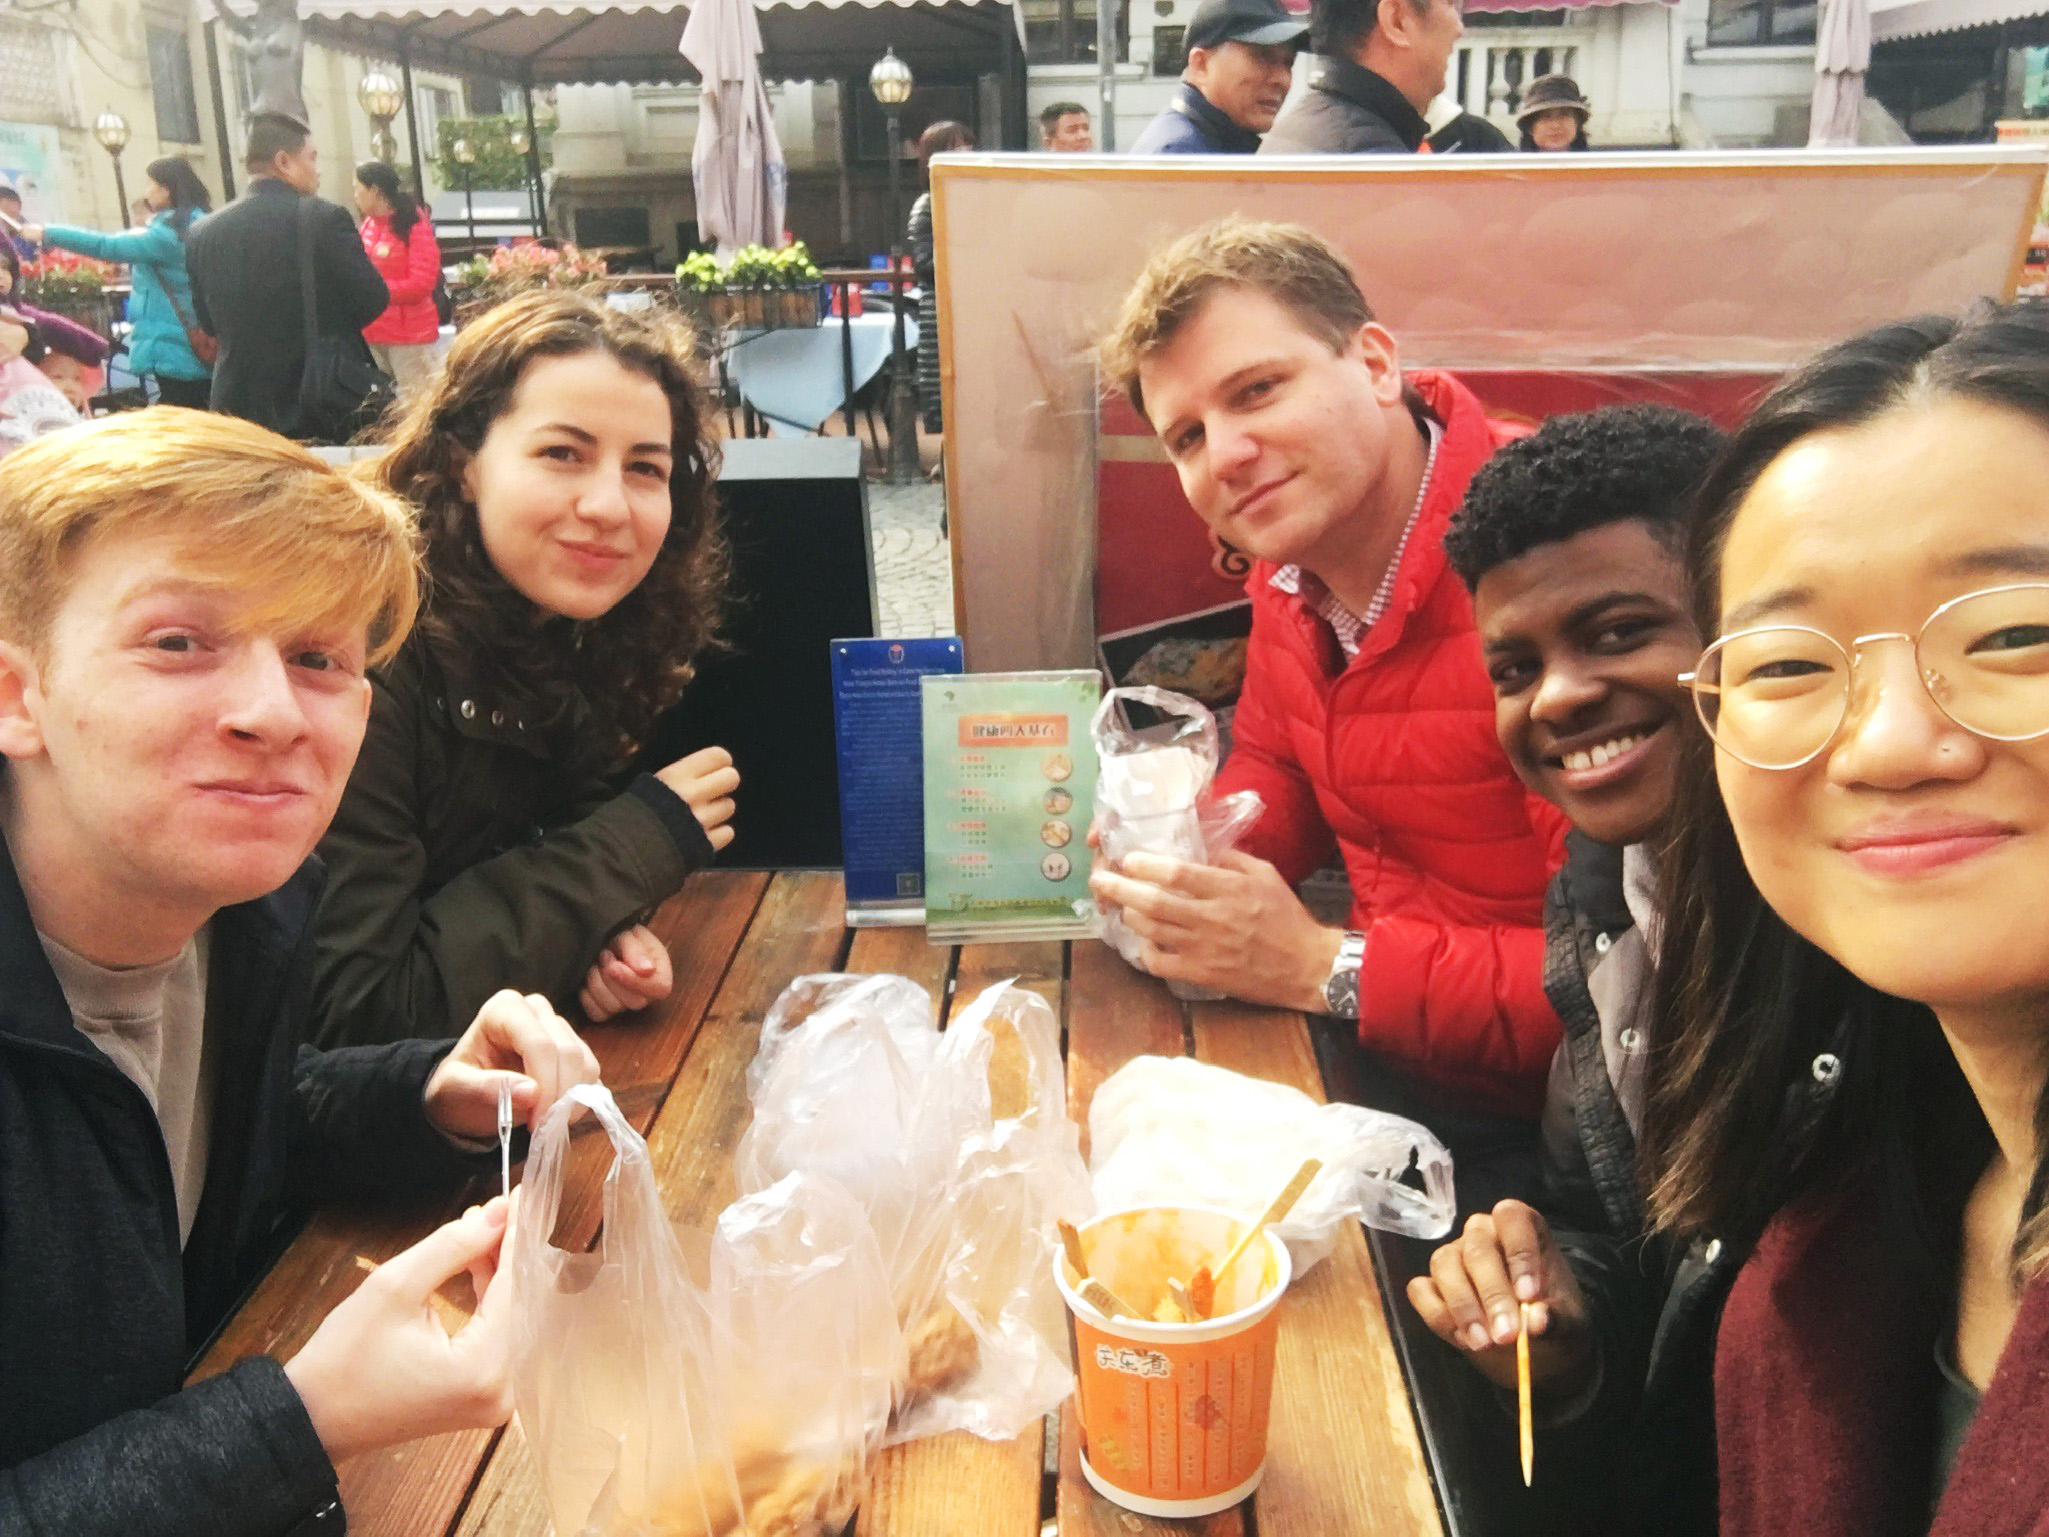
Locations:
(564, 475)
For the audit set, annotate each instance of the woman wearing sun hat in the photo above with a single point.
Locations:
(1553, 116)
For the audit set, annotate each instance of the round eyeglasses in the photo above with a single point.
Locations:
(1775, 697)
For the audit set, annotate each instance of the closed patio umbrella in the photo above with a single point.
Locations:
(1842, 53)
(737, 165)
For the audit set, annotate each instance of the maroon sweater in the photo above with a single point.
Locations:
(1825, 1387)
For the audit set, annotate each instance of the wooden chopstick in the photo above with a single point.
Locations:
(1522, 1396)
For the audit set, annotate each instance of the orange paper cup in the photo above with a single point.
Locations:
(1174, 1416)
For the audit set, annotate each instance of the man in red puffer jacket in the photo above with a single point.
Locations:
(1366, 722)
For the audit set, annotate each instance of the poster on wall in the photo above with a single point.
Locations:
(31, 161)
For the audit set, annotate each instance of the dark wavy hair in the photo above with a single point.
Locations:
(625, 666)
(189, 197)
(1738, 1117)
(405, 211)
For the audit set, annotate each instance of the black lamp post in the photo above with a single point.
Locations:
(466, 156)
(519, 142)
(378, 95)
(891, 81)
(111, 129)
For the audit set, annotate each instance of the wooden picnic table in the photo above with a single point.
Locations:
(1345, 1458)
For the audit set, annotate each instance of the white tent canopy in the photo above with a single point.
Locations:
(542, 42)
(1894, 19)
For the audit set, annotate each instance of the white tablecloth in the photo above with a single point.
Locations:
(795, 377)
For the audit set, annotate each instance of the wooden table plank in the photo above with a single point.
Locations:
(796, 929)
(1115, 1013)
(1344, 1454)
(420, 1486)
(952, 1484)
(904, 952)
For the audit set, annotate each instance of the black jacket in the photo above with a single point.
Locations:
(473, 851)
(1589, 1152)
(1347, 110)
(1634, 1453)
(244, 264)
(100, 1317)
(1192, 126)
(1639, 1442)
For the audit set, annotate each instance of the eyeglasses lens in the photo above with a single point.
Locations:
(1986, 661)
(1773, 698)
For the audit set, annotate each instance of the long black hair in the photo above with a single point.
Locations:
(189, 197)
(1754, 1022)
(405, 211)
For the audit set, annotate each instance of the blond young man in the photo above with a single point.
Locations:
(1366, 719)
(187, 607)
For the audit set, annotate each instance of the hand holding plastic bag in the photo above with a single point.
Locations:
(1173, 1130)
(1152, 796)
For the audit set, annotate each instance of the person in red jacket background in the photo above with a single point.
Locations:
(399, 240)
(1366, 720)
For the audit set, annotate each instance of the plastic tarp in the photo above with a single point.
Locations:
(1615, 267)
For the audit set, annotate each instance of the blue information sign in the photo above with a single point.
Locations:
(878, 721)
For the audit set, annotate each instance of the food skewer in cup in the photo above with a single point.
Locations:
(1092, 1291)
(1202, 1286)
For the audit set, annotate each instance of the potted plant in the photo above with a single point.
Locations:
(758, 289)
(69, 285)
(483, 281)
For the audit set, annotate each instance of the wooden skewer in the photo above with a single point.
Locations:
(1522, 1397)
(1180, 1298)
(1090, 1290)
(1203, 1283)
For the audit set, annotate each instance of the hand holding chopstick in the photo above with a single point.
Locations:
(1501, 1285)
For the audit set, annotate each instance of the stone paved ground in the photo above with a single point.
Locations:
(913, 569)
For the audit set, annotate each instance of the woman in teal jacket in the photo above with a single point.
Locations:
(160, 309)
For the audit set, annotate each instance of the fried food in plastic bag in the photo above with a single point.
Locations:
(961, 1160)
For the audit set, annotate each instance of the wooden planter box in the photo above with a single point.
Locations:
(762, 309)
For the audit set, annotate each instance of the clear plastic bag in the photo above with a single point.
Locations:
(961, 1160)
(661, 1397)
(1152, 796)
(1173, 1130)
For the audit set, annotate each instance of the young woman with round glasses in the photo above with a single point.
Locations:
(1844, 1125)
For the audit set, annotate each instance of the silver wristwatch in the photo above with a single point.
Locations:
(1341, 987)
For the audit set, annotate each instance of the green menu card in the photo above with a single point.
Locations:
(1010, 786)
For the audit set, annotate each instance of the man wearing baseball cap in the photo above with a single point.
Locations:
(1241, 56)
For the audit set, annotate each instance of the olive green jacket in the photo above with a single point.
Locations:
(470, 854)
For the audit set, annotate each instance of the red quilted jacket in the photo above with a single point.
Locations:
(1394, 758)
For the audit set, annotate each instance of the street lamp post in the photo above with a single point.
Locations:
(891, 80)
(519, 142)
(466, 156)
(111, 129)
(379, 96)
